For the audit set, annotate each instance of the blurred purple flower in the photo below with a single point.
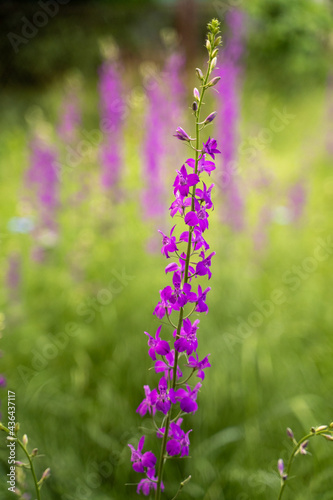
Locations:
(112, 119)
(228, 99)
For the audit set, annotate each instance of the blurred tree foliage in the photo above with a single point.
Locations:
(290, 40)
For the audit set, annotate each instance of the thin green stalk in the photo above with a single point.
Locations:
(29, 459)
(296, 449)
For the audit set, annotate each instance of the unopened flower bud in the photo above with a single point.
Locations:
(196, 94)
(25, 440)
(210, 117)
(321, 428)
(215, 52)
(199, 74)
(331, 425)
(290, 433)
(302, 448)
(217, 41)
(213, 63)
(281, 469)
(208, 45)
(214, 81)
(194, 105)
(182, 135)
(46, 473)
(34, 452)
(329, 437)
(17, 427)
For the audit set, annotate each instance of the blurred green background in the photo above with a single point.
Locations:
(75, 353)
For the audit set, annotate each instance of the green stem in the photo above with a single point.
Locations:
(162, 458)
(294, 452)
(29, 459)
(31, 468)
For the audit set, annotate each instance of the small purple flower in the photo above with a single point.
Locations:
(179, 442)
(141, 461)
(167, 368)
(169, 243)
(157, 345)
(149, 483)
(184, 181)
(203, 267)
(149, 403)
(188, 398)
(204, 196)
(165, 397)
(201, 305)
(193, 362)
(179, 205)
(187, 341)
(203, 165)
(210, 147)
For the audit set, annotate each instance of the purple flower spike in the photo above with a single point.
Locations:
(180, 298)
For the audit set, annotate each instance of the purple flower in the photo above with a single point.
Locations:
(188, 398)
(112, 119)
(210, 147)
(149, 483)
(179, 205)
(204, 196)
(179, 442)
(187, 340)
(157, 346)
(184, 181)
(167, 368)
(191, 219)
(169, 243)
(193, 362)
(203, 266)
(165, 397)
(154, 153)
(201, 302)
(141, 461)
(203, 165)
(149, 403)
